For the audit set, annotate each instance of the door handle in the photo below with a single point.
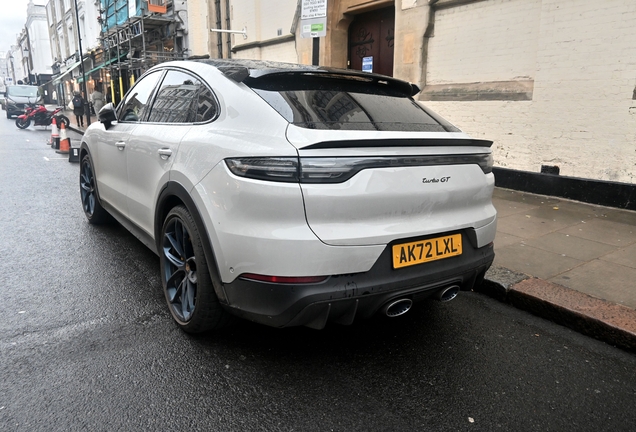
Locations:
(165, 153)
(121, 145)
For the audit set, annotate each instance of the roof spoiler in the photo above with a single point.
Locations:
(235, 73)
(239, 73)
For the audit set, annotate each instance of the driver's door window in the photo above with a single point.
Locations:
(137, 102)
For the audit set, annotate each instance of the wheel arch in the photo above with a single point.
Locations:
(172, 195)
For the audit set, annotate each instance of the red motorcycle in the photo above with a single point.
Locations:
(40, 117)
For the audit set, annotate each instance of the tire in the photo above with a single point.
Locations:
(187, 283)
(22, 124)
(95, 213)
(8, 115)
(62, 119)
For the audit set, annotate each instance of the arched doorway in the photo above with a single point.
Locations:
(371, 38)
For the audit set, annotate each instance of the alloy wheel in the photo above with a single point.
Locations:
(87, 188)
(180, 269)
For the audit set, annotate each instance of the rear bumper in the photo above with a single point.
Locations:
(342, 298)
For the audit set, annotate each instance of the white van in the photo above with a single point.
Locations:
(18, 96)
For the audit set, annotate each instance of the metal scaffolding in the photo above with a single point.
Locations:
(135, 45)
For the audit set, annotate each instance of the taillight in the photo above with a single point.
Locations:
(284, 279)
(341, 169)
(486, 162)
(282, 169)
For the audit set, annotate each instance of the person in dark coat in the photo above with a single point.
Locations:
(78, 108)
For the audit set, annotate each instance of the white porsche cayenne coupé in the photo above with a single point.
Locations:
(289, 194)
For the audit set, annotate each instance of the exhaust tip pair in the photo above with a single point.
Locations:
(396, 308)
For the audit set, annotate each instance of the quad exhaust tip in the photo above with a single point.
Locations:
(447, 294)
(397, 307)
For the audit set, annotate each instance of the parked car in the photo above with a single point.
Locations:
(18, 97)
(290, 195)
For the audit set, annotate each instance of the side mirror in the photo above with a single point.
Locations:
(107, 115)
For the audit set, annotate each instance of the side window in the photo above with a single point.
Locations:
(135, 105)
(206, 105)
(182, 98)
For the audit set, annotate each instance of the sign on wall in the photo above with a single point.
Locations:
(367, 64)
(313, 18)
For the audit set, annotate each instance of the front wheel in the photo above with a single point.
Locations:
(93, 210)
(23, 123)
(185, 276)
(62, 119)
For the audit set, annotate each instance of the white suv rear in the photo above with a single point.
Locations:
(291, 195)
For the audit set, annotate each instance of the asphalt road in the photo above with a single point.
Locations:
(87, 344)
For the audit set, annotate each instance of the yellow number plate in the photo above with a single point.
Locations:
(408, 254)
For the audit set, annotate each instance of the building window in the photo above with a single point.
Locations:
(49, 15)
(58, 11)
(71, 40)
(62, 45)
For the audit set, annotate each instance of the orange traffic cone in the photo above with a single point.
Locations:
(65, 142)
(55, 136)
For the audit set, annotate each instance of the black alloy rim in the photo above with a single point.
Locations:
(87, 188)
(180, 269)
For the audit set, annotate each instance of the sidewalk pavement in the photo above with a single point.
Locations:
(570, 262)
(73, 121)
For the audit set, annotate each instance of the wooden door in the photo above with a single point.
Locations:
(371, 41)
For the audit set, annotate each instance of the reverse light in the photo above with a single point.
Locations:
(284, 279)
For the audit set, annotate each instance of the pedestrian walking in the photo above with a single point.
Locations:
(97, 98)
(78, 108)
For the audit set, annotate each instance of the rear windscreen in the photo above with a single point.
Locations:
(339, 105)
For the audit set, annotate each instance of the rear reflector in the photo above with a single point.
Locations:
(284, 279)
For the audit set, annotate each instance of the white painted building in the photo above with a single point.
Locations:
(574, 59)
(269, 26)
(198, 35)
(62, 27)
(551, 82)
(62, 30)
(15, 63)
(39, 47)
(90, 28)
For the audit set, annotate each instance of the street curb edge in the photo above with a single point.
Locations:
(609, 322)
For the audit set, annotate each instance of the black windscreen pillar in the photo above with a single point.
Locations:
(315, 51)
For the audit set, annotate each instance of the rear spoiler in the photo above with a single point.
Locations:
(254, 77)
(408, 142)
